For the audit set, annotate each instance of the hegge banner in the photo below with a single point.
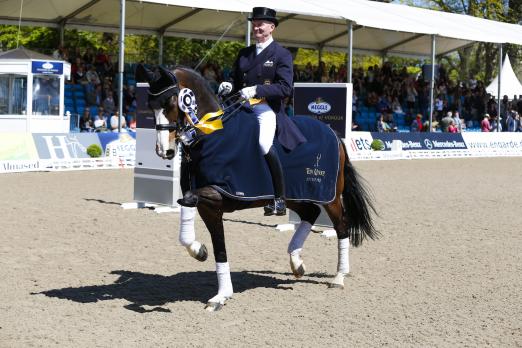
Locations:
(118, 145)
(423, 141)
(494, 144)
(327, 102)
(56, 146)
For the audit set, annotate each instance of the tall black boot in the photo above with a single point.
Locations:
(278, 206)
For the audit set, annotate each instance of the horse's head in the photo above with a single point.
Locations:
(170, 110)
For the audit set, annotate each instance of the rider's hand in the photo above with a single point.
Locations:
(248, 92)
(225, 88)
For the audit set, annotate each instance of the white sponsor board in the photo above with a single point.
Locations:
(493, 144)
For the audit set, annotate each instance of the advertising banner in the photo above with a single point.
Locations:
(43, 67)
(423, 141)
(118, 144)
(55, 146)
(327, 102)
(494, 144)
(17, 146)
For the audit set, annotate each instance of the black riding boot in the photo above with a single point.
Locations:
(278, 206)
(189, 198)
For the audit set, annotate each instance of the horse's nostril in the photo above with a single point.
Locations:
(170, 154)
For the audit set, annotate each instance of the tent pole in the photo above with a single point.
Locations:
(160, 48)
(350, 53)
(121, 62)
(432, 79)
(499, 84)
(248, 30)
(62, 33)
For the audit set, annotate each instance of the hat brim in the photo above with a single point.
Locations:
(264, 18)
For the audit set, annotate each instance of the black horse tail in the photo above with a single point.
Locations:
(357, 205)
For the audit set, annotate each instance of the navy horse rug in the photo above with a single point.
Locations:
(230, 160)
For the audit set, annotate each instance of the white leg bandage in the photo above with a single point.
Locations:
(343, 265)
(225, 290)
(299, 237)
(187, 235)
(267, 126)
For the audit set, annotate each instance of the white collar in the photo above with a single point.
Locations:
(260, 46)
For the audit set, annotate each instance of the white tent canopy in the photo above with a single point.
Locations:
(378, 27)
(509, 84)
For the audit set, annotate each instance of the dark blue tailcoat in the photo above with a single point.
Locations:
(272, 72)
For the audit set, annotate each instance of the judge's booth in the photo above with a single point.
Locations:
(32, 92)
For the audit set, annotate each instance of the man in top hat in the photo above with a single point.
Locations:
(265, 71)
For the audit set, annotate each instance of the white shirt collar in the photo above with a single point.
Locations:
(260, 46)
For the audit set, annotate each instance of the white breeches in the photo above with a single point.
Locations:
(267, 126)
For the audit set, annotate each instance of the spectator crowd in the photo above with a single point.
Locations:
(395, 99)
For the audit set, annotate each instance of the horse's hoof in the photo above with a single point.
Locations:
(213, 306)
(299, 271)
(202, 253)
(335, 286)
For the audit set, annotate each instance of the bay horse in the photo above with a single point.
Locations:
(350, 211)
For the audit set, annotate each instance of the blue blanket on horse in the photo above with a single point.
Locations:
(230, 160)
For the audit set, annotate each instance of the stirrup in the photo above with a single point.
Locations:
(276, 207)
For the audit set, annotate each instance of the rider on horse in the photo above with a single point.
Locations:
(265, 71)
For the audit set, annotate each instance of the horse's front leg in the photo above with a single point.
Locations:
(210, 210)
(187, 234)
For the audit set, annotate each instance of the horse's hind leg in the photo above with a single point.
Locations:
(308, 213)
(210, 211)
(335, 212)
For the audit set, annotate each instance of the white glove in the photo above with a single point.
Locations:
(248, 92)
(224, 88)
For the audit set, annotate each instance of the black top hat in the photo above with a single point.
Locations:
(264, 13)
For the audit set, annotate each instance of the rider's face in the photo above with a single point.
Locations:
(262, 29)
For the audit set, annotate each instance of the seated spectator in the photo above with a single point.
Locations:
(108, 103)
(388, 118)
(452, 128)
(512, 121)
(100, 124)
(445, 122)
(114, 122)
(485, 126)
(457, 121)
(79, 76)
(92, 76)
(416, 124)
(132, 123)
(86, 122)
(382, 126)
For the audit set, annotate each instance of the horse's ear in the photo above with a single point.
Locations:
(142, 74)
(166, 76)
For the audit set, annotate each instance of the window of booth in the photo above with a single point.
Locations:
(13, 94)
(46, 95)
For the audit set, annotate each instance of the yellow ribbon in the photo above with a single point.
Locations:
(254, 101)
(210, 122)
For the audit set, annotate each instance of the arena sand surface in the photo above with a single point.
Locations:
(79, 271)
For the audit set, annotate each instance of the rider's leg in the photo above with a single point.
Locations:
(267, 127)
(189, 198)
